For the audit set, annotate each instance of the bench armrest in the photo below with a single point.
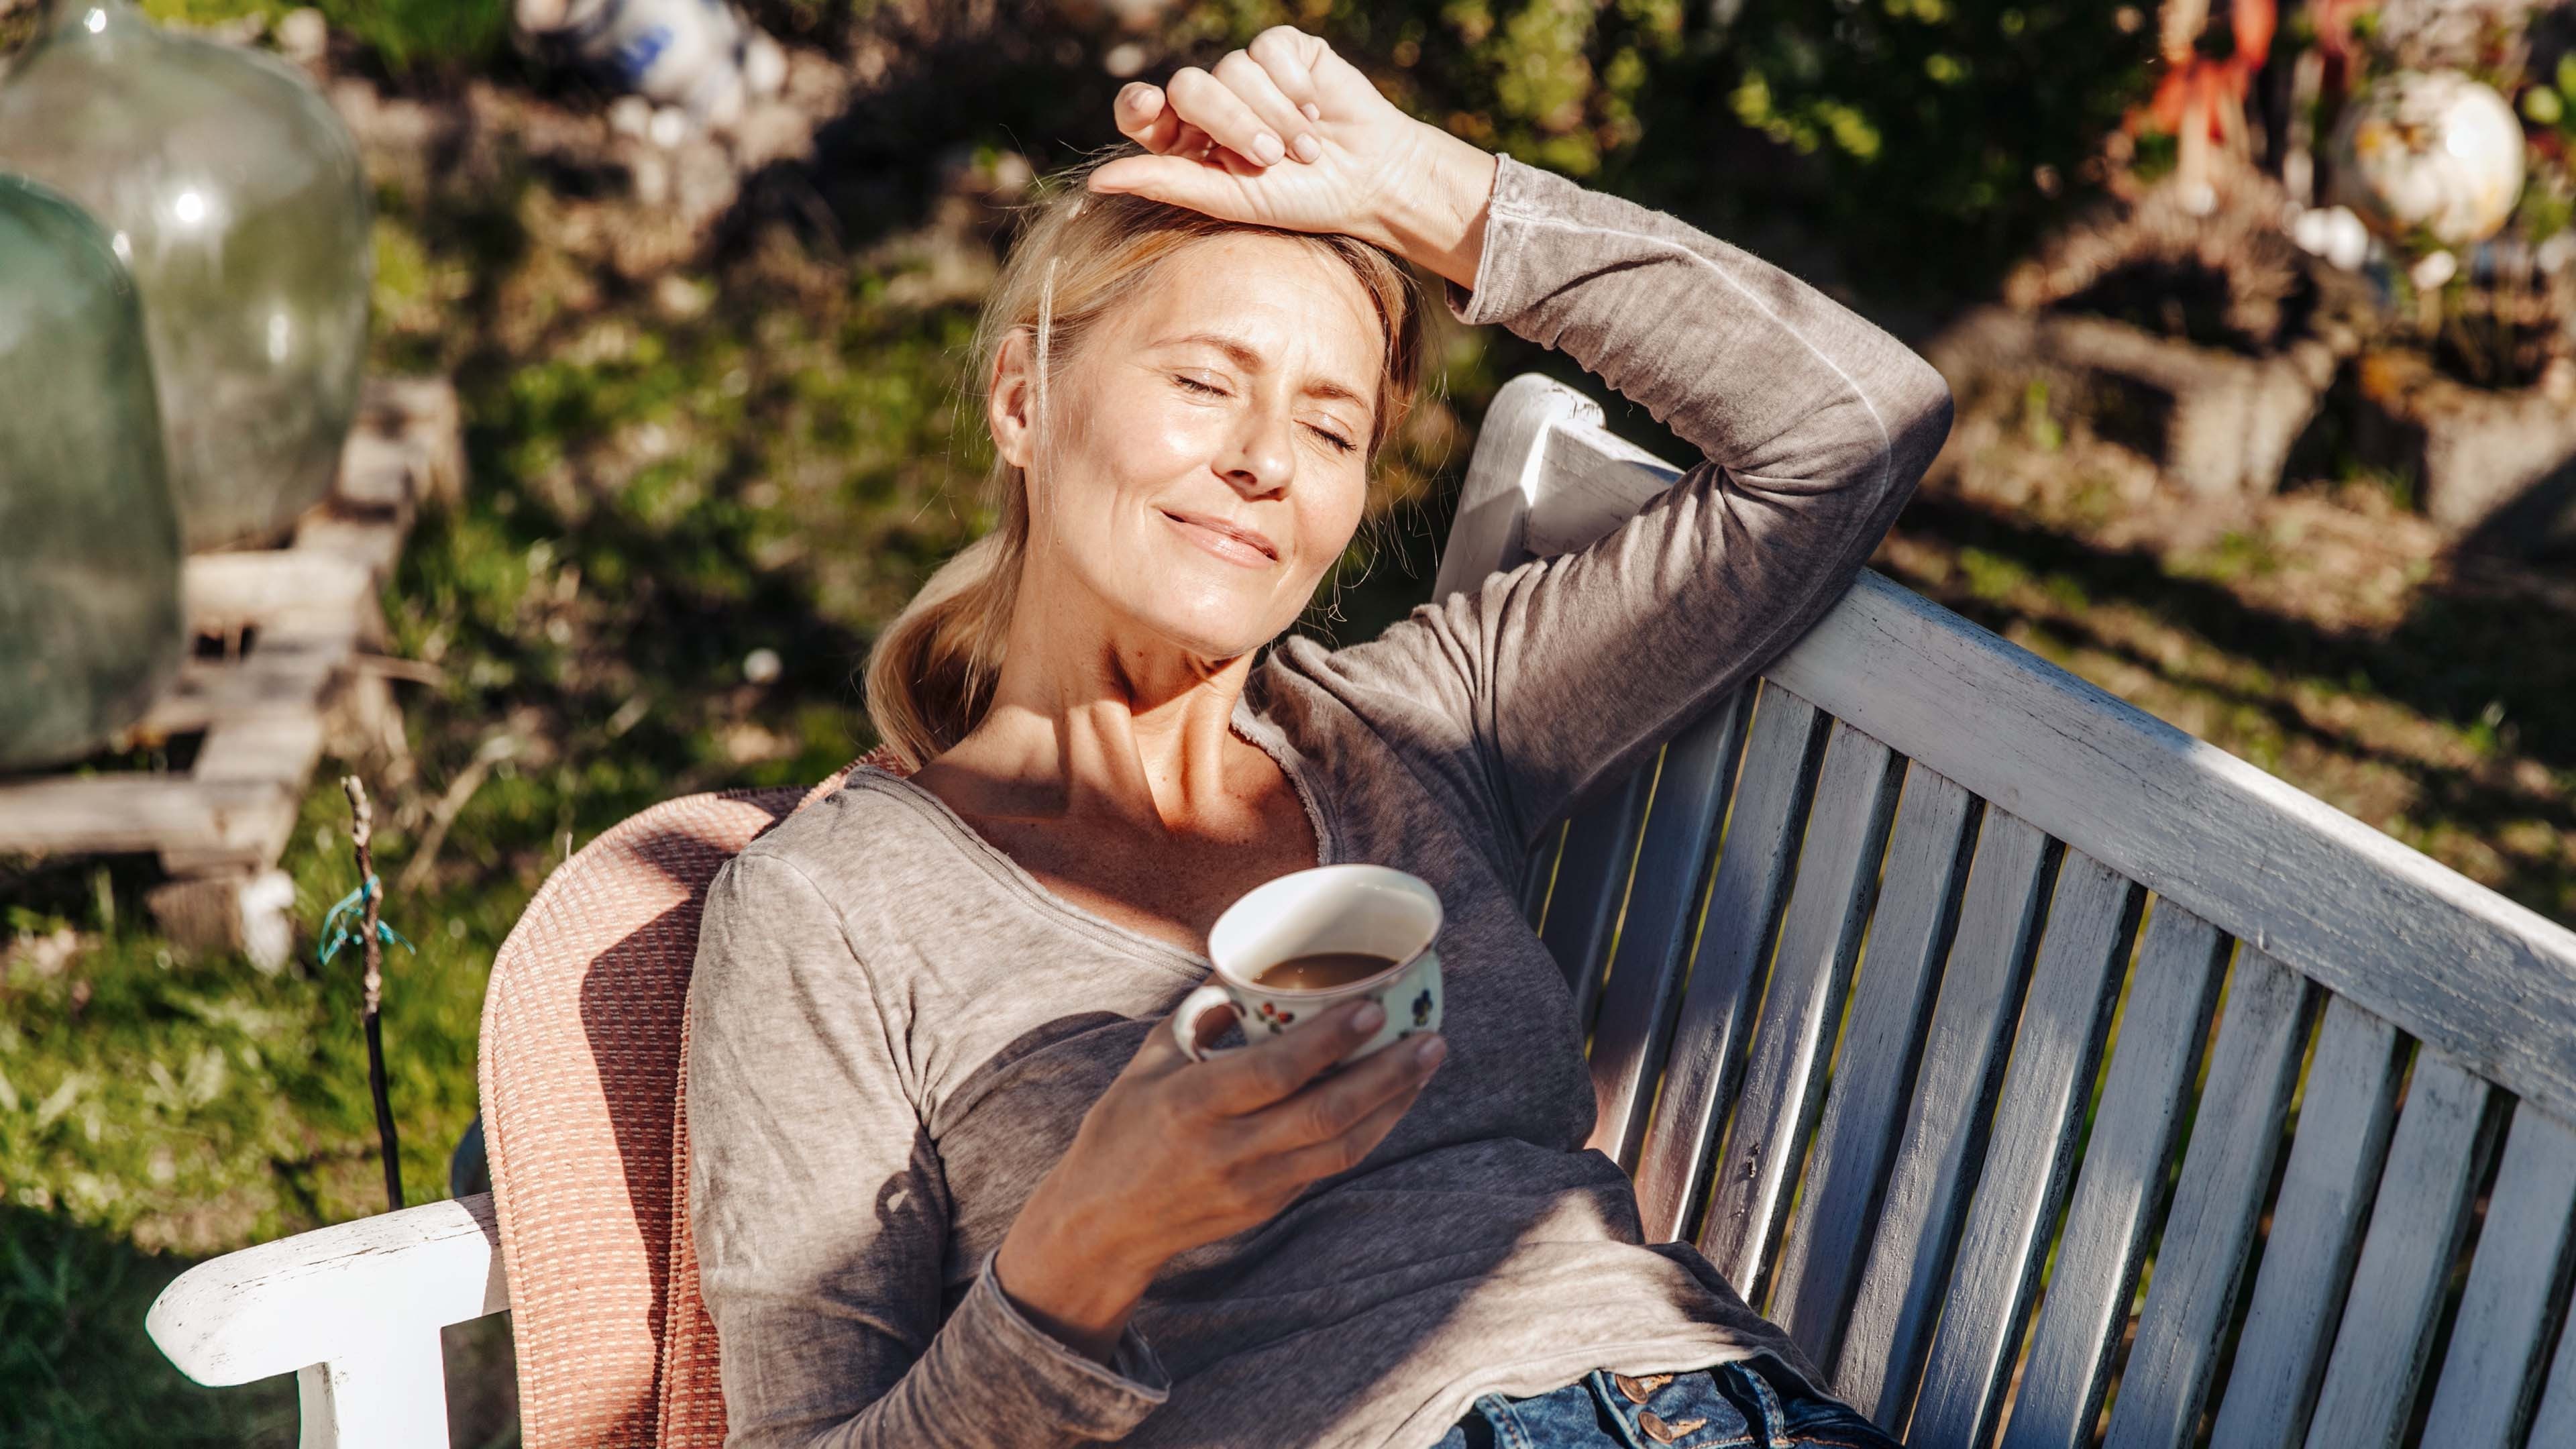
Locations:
(354, 1309)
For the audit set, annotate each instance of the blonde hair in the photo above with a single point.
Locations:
(1079, 257)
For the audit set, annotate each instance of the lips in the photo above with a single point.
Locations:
(1228, 540)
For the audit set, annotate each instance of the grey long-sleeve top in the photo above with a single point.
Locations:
(896, 1029)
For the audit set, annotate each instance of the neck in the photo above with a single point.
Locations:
(1087, 723)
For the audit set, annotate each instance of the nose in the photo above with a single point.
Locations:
(1262, 457)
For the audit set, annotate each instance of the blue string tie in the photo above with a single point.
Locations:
(336, 926)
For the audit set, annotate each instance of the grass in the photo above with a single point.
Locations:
(756, 448)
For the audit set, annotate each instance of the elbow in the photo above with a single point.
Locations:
(1918, 424)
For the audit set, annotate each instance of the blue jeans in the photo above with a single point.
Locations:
(1751, 1405)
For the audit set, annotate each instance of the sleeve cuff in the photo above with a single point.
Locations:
(1055, 1383)
(1504, 287)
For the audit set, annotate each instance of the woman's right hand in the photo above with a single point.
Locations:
(1179, 1153)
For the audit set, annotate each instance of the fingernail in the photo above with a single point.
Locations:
(1430, 1050)
(1312, 113)
(1267, 150)
(1369, 1017)
(1308, 148)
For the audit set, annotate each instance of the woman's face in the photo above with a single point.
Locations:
(1205, 457)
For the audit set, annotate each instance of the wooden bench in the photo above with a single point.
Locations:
(1935, 994)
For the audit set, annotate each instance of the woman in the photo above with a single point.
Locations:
(953, 1181)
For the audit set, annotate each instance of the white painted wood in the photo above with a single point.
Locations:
(356, 1307)
(1504, 476)
(1801, 1003)
(1762, 831)
(2554, 1423)
(2516, 1293)
(2325, 895)
(1592, 883)
(2235, 1139)
(2488, 982)
(1594, 481)
(1935, 1168)
(1636, 1020)
(390, 1393)
(2346, 1108)
(2416, 1223)
(2075, 985)
(1909, 932)
(2121, 1185)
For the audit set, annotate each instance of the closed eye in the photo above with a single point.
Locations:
(1194, 385)
(1340, 443)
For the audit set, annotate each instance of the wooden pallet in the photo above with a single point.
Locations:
(275, 674)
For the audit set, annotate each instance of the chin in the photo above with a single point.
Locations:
(1214, 625)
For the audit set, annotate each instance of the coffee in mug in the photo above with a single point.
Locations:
(1322, 970)
(1314, 939)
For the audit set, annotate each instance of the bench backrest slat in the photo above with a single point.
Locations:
(1802, 1002)
(1635, 1023)
(1934, 1171)
(2516, 1284)
(1591, 884)
(2162, 1027)
(1918, 902)
(1780, 757)
(1868, 1075)
(2416, 1220)
(2345, 1112)
(2092, 917)
(2263, 1035)
(2555, 1423)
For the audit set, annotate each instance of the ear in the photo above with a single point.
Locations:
(1011, 399)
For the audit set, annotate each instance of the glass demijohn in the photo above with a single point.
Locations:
(234, 195)
(90, 629)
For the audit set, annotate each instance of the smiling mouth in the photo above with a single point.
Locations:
(1231, 542)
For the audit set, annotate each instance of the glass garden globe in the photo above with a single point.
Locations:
(234, 195)
(89, 542)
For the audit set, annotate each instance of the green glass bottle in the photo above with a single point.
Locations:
(90, 628)
(234, 195)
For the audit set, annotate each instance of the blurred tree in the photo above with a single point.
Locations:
(1931, 138)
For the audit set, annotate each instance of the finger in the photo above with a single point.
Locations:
(1145, 116)
(1212, 106)
(1324, 1110)
(1249, 1080)
(1344, 1151)
(1248, 79)
(1288, 55)
(1178, 181)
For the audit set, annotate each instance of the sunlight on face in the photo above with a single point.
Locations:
(1206, 458)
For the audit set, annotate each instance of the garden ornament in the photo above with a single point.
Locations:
(90, 628)
(2429, 153)
(233, 194)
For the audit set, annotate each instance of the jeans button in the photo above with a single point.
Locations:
(1655, 1427)
(1635, 1391)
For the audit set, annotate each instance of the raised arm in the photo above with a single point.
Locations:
(822, 1219)
(1521, 694)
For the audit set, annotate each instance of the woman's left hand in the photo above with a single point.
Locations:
(1286, 133)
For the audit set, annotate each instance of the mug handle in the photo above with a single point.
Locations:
(1185, 1021)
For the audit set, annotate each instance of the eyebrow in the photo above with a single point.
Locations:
(1247, 358)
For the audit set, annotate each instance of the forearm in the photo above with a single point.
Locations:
(1760, 371)
(1022, 1389)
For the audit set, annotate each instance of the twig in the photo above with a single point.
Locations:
(468, 780)
(362, 826)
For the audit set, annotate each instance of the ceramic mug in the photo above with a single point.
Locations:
(1369, 908)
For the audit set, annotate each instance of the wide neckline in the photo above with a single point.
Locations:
(997, 863)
